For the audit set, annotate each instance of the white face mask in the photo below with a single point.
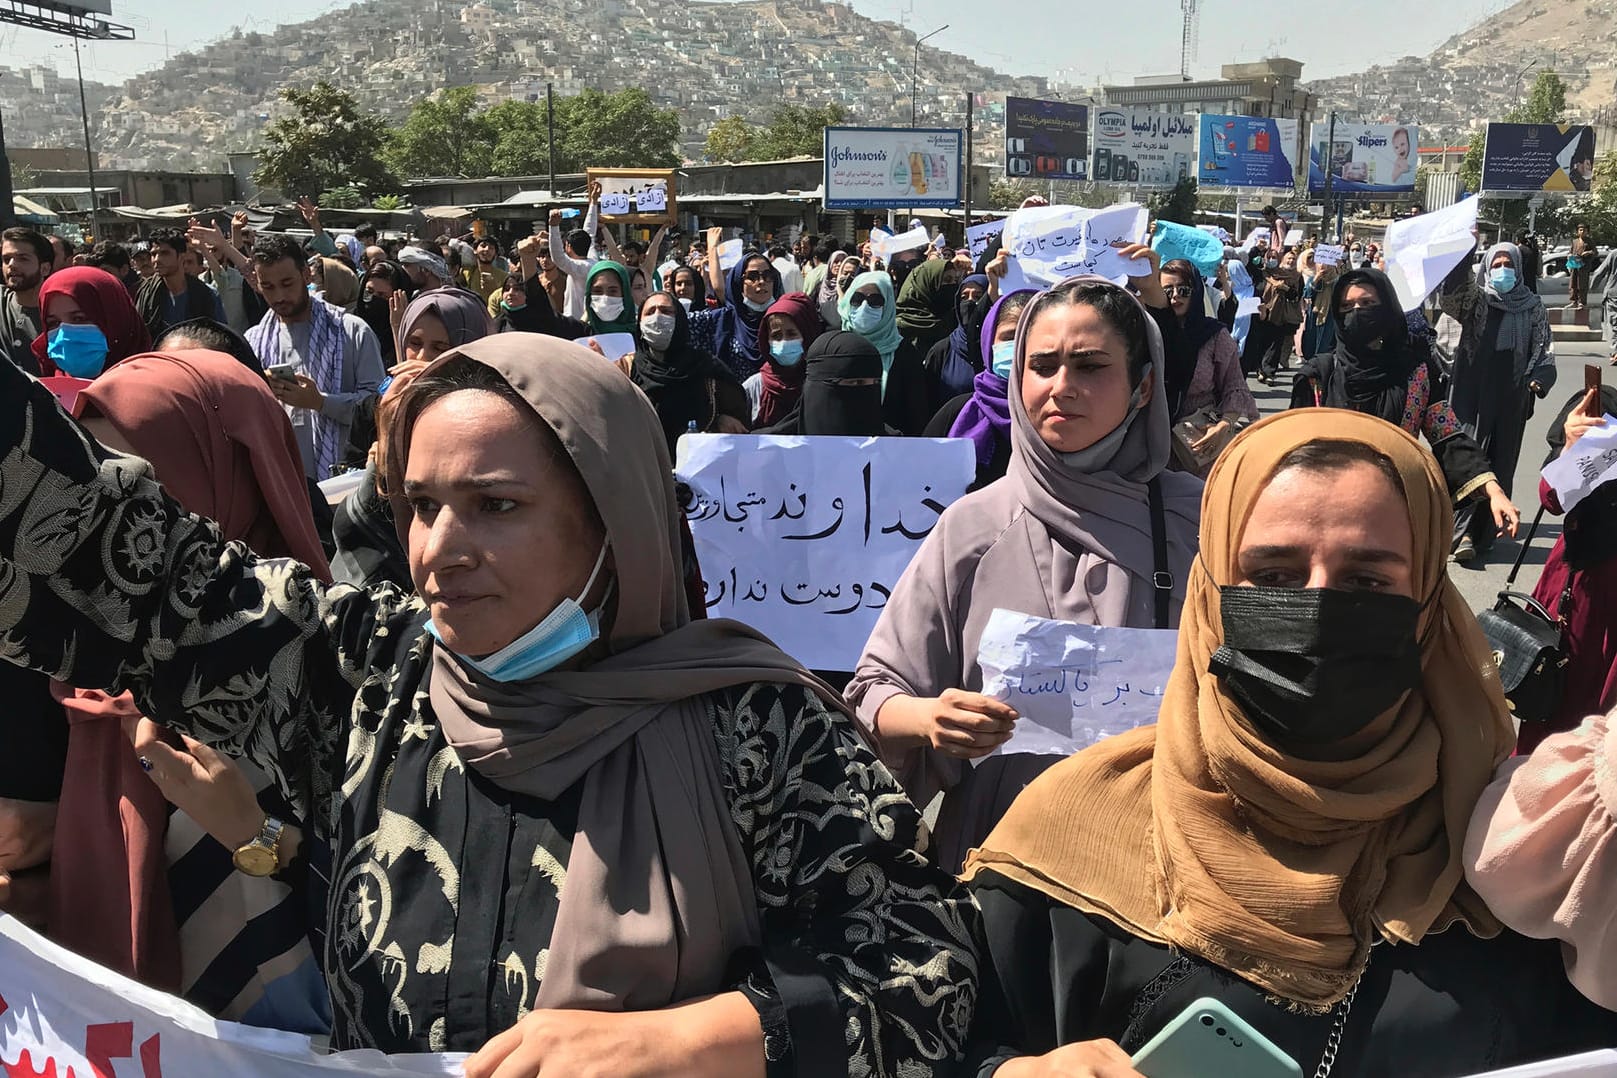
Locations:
(685, 302)
(607, 308)
(657, 329)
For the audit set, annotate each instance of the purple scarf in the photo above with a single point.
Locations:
(986, 418)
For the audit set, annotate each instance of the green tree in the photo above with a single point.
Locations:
(731, 139)
(390, 202)
(521, 138)
(620, 130)
(342, 198)
(796, 131)
(1009, 194)
(444, 135)
(328, 142)
(1177, 205)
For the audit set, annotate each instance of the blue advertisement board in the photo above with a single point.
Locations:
(902, 167)
(1246, 151)
(1539, 157)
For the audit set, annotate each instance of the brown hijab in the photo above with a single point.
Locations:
(658, 893)
(1198, 834)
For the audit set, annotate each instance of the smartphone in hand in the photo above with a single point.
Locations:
(285, 372)
(1208, 1040)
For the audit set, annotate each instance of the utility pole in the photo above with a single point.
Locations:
(89, 153)
(550, 119)
(8, 213)
(966, 188)
(1325, 165)
(915, 71)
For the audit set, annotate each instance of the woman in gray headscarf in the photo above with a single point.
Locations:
(571, 830)
(1068, 534)
(1505, 358)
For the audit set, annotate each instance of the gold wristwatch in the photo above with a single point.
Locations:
(261, 856)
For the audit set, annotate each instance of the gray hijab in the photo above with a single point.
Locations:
(659, 893)
(463, 313)
(1519, 304)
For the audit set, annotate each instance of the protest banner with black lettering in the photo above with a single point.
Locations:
(1073, 685)
(1591, 463)
(1052, 243)
(805, 538)
(62, 1015)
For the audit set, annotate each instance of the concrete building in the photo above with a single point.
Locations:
(128, 187)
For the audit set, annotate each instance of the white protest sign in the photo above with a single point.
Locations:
(1327, 254)
(1598, 1064)
(1253, 237)
(1591, 463)
(1421, 251)
(729, 254)
(1073, 685)
(61, 1014)
(978, 236)
(614, 203)
(1218, 230)
(805, 538)
(338, 487)
(1052, 243)
(652, 199)
(612, 345)
(884, 245)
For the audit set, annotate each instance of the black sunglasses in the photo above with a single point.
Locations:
(1179, 291)
(859, 299)
(754, 276)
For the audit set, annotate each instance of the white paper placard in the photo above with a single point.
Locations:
(1328, 254)
(1590, 463)
(729, 254)
(1052, 243)
(805, 538)
(1073, 685)
(1421, 251)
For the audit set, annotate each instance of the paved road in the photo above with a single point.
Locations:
(1480, 583)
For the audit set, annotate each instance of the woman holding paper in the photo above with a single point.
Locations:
(1287, 839)
(1504, 360)
(1068, 534)
(558, 843)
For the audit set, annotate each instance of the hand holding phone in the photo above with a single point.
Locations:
(285, 372)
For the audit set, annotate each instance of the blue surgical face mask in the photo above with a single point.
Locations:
(1004, 358)
(865, 319)
(78, 349)
(752, 306)
(1503, 279)
(787, 353)
(514, 306)
(564, 632)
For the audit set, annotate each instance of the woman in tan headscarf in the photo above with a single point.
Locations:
(1332, 718)
(337, 284)
(570, 829)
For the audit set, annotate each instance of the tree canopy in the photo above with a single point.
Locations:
(793, 131)
(449, 135)
(328, 142)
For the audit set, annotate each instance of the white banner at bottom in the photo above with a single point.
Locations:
(63, 1016)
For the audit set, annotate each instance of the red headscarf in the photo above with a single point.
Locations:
(106, 301)
(222, 447)
(782, 386)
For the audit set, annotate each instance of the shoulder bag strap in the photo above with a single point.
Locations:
(1521, 555)
(1162, 579)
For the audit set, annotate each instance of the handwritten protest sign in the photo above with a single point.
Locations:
(1052, 243)
(884, 245)
(978, 236)
(1590, 463)
(61, 1014)
(1073, 685)
(1327, 254)
(1423, 250)
(1201, 249)
(652, 200)
(614, 203)
(804, 538)
(1253, 238)
(729, 254)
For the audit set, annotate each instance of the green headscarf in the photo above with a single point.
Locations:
(625, 322)
(926, 309)
(884, 335)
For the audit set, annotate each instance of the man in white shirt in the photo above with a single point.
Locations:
(575, 256)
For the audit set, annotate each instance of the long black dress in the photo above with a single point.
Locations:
(1453, 1005)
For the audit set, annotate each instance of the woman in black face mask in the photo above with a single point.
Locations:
(1304, 796)
(1379, 368)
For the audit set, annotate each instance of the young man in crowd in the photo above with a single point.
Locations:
(114, 258)
(25, 261)
(321, 362)
(485, 277)
(174, 294)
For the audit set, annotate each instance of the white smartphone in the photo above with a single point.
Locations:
(287, 372)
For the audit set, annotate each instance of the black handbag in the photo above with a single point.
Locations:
(1529, 644)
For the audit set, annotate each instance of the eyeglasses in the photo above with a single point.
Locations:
(755, 276)
(1179, 291)
(859, 299)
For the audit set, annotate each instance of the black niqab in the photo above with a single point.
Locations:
(1374, 381)
(829, 408)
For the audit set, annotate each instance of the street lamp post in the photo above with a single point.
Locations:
(1522, 74)
(915, 72)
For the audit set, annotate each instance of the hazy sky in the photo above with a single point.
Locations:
(1041, 38)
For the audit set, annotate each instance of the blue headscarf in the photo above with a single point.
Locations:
(885, 336)
(738, 322)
